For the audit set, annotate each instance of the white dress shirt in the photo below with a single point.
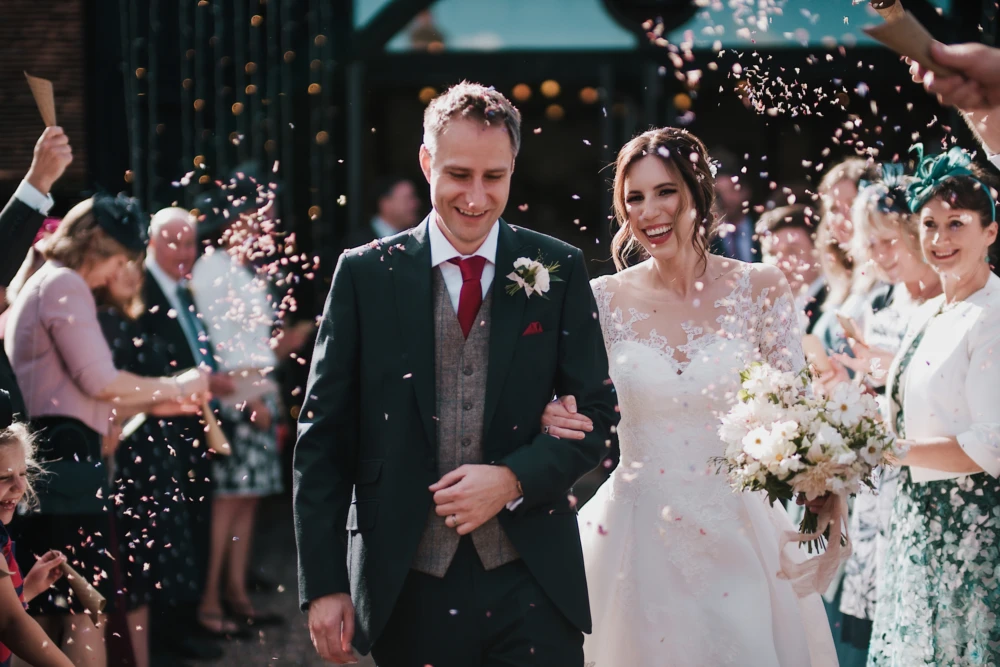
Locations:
(442, 250)
(30, 195)
(951, 386)
(169, 287)
(995, 159)
(381, 228)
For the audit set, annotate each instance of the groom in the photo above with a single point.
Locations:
(432, 516)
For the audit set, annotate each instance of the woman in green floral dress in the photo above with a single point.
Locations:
(939, 592)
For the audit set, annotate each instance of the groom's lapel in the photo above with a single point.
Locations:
(411, 277)
(507, 315)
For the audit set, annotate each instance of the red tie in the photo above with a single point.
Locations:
(471, 296)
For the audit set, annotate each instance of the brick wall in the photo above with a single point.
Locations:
(46, 38)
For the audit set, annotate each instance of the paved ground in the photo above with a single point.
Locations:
(289, 645)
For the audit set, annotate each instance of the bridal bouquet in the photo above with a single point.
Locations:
(784, 439)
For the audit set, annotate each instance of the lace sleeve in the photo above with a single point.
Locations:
(603, 297)
(779, 329)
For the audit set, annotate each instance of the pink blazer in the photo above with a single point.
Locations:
(57, 349)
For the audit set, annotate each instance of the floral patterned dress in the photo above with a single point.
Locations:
(939, 590)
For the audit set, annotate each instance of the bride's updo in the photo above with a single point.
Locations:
(684, 153)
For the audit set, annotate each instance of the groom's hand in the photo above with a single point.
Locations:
(471, 495)
(331, 628)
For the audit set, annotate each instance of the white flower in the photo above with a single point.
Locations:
(871, 453)
(815, 452)
(531, 276)
(845, 405)
(761, 381)
(826, 434)
(786, 430)
(541, 279)
(757, 442)
(786, 466)
(736, 424)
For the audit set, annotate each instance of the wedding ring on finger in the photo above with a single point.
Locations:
(452, 521)
(545, 430)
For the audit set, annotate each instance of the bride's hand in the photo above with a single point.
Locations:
(560, 420)
(815, 505)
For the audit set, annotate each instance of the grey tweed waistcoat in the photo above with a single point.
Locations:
(462, 366)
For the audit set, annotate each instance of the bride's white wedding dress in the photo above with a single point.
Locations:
(680, 568)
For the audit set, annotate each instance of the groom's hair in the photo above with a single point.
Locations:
(472, 101)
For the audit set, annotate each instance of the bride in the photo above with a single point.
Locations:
(682, 570)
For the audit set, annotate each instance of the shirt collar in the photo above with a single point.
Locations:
(442, 250)
(167, 284)
(382, 228)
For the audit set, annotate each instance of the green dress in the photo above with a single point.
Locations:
(939, 594)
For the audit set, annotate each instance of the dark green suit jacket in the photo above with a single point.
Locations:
(367, 447)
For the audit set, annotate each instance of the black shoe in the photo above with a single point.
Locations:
(232, 629)
(252, 618)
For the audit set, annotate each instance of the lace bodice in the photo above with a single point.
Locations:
(771, 328)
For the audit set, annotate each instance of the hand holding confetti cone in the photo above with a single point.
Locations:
(904, 35)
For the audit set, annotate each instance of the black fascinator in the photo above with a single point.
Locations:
(123, 219)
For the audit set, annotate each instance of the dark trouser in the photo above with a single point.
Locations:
(475, 618)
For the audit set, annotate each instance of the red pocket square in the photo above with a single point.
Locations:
(533, 328)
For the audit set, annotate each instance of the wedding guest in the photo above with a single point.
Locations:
(20, 634)
(174, 337)
(848, 289)
(71, 389)
(21, 218)
(234, 302)
(886, 240)
(937, 599)
(786, 237)
(151, 527)
(397, 208)
(736, 238)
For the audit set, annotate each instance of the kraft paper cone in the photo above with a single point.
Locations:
(214, 436)
(907, 37)
(44, 98)
(91, 600)
(890, 10)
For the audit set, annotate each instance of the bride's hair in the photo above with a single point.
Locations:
(689, 157)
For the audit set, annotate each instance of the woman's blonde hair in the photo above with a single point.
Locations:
(881, 208)
(684, 153)
(836, 262)
(19, 434)
(80, 239)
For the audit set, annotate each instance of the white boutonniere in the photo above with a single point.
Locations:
(532, 276)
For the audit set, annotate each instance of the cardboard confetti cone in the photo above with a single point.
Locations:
(41, 89)
(214, 436)
(907, 37)
(91, 600)
(890, 10)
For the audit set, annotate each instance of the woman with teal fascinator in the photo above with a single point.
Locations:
(938, 600)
